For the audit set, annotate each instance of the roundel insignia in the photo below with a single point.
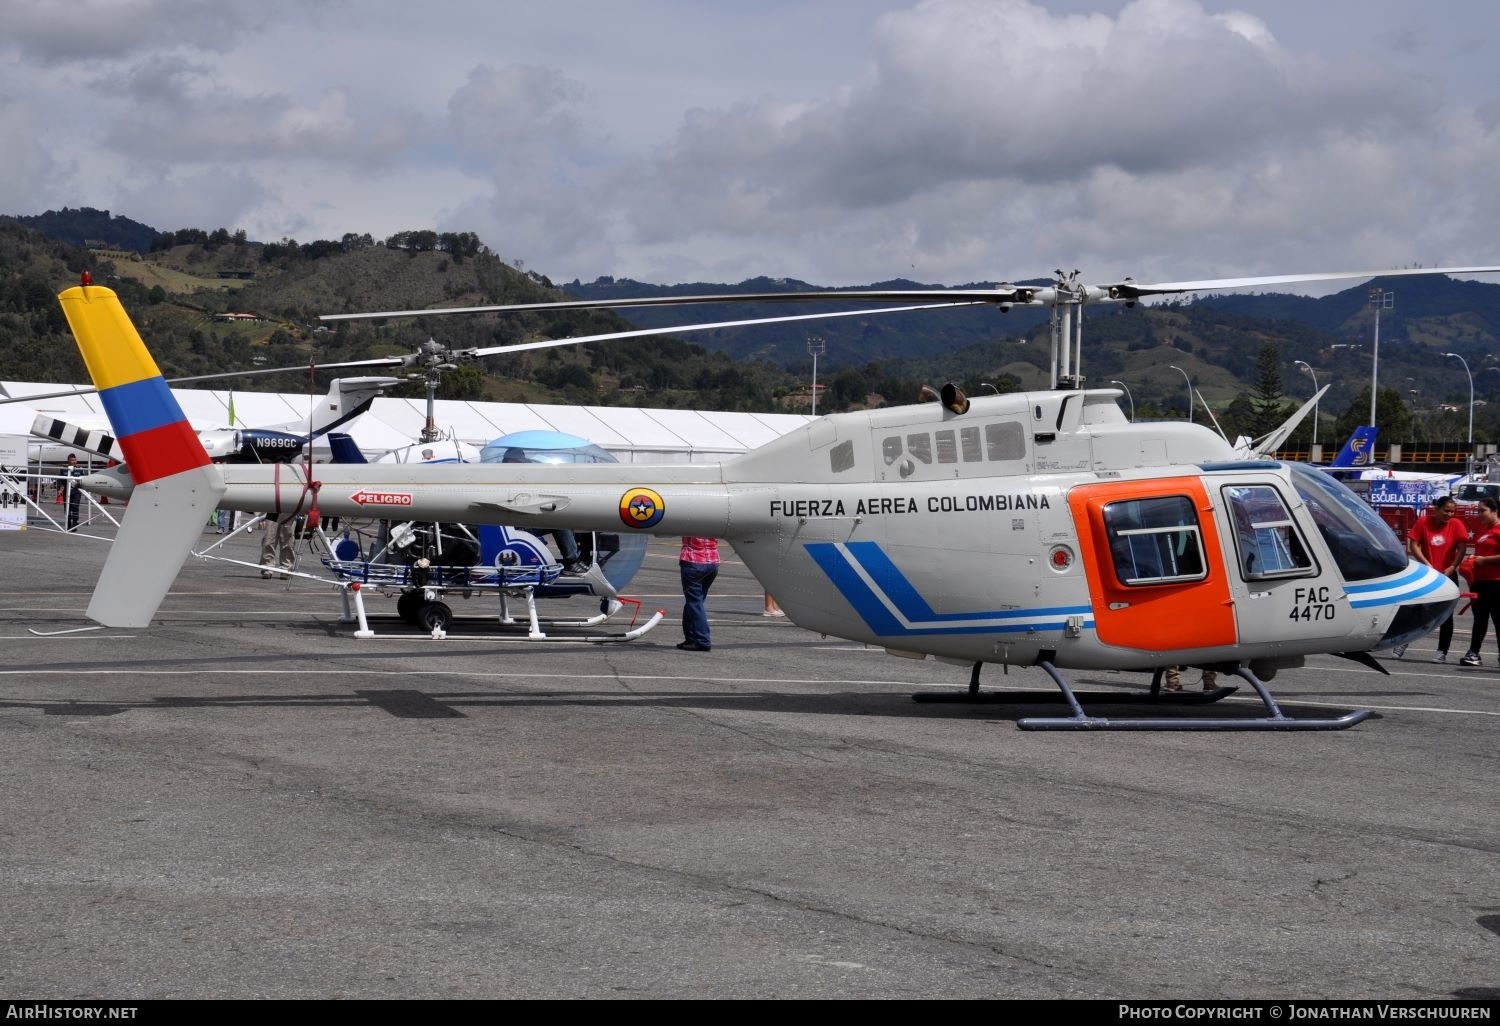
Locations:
(641, 507)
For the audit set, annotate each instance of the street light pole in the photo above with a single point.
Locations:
(1308, 367)
(1461, 360)
(815, 347)
(1189, 381)
(1128, 396)
(1380, 299)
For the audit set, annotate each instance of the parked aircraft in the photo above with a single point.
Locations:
(1034, 529)
(346, 399)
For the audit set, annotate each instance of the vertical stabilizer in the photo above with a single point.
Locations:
(1359, 451)
(175, 484)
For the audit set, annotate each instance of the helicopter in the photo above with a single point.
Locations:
(1029, 529)
(425, 563)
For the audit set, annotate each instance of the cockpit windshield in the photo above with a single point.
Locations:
(1362, 545)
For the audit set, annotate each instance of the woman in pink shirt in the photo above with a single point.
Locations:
(699, 563)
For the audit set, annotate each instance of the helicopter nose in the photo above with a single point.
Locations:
(1413, 619)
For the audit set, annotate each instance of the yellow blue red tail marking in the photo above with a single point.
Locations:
(155, 436)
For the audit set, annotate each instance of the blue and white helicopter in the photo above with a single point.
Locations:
(425, 563)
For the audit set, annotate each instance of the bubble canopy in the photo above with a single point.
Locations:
(626, 551)
(543, 447)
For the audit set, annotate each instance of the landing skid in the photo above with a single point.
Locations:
(436, 617)
(66, 630)
(1276, 720)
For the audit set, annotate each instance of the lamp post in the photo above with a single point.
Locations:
(1412, 395)
(815, 347)
(1380, 299)
(1308, 368)
(1128, 396)
(1461, 360)
(1189, 381)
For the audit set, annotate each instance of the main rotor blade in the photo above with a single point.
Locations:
(1130, 290)
(379, 361)
(1005, 294)
(640, 332)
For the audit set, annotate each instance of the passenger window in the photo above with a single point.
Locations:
(919, 447)
(1155, 541)
(947, 447)
(890, 449)
(1265, 534)
(1005, 441)
(841, 456)
(968, 441)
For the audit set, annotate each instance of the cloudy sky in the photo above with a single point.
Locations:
(836, 141)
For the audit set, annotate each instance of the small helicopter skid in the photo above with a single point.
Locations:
(1080, 720)
(421, 592)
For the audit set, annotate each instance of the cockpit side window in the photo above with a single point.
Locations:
(1269, 543)
(1155, 541)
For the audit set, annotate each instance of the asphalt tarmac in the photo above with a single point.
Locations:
(245, 801)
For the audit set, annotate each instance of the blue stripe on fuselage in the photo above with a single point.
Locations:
(898, 593)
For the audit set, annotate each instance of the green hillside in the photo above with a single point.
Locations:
(184, 279)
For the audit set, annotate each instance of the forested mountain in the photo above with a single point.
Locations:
(1231, 347)
(177, 295)
(89, 227)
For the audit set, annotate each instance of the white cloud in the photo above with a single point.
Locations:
(842, 141)
(53, 33)
(25, 167)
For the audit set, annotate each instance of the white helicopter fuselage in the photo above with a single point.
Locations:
(1036, 526)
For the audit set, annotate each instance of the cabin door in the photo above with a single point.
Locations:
(1155, 564)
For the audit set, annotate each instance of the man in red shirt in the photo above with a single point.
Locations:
(1440, 540)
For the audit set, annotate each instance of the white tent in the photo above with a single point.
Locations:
(633, 435)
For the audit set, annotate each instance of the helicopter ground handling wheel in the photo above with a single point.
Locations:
(434, 616)
(409, 604)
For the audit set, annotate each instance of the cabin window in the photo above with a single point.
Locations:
(1265, 534)
(841, 456)
(947, 447)
(919, 447)
(890, 449)
(1155, 541)
(1005, 441)
(968, 442)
